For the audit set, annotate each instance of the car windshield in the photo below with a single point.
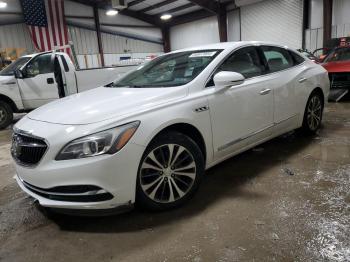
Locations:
(339, 54)
(10, 69)
(169, 70)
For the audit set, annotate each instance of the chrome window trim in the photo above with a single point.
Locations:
(267, 74)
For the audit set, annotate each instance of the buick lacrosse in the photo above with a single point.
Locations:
(148, 137)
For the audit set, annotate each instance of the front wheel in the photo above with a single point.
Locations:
(6, 115)
(313, 114)
(169, 173)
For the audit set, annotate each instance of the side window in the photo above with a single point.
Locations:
(40, 65)
(277, 58)
(296, 58)
(245, 61)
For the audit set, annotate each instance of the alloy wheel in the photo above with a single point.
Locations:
(314, 113)
(167, 173)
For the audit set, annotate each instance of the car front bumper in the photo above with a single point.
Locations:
(112, 175)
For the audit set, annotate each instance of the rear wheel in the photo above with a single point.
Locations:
(313, 114)
(169, 173)
(6, 115)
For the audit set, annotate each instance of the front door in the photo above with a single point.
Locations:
(241, 112)
(68, 76)
(38, 86)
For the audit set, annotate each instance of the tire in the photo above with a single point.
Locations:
(167, 180)
(313, 114)
(6, 115)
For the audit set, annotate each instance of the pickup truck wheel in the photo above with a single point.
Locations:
(6, 115)
(169, 172)
(313, 114)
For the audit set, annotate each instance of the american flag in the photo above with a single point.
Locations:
(45, 20)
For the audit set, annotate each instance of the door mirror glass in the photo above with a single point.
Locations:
(19, 74)
(227, 79)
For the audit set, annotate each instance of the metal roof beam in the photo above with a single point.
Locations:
(209, 5)
(155, 6)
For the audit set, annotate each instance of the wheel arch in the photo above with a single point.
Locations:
(9, 101)
(187, 129)
(320, 91)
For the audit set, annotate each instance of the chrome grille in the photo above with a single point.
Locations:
(339, 80)
(27, 150)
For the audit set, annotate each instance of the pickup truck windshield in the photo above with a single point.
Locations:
(339, 54)
(10, 69)
(168, 70)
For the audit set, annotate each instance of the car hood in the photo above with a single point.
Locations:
(103, 103)
(337, 67)
(6, 79)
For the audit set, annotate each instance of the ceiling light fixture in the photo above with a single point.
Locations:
(166, 16)
(112, 12)
(3, 4)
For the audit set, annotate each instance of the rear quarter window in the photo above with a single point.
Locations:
(296, 58)
(277, 58)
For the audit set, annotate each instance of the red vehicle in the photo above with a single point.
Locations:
(337, 63)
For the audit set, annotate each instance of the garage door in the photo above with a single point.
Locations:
(278, 21)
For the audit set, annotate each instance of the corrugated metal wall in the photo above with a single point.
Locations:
(114, 47)
(200, 32)
(278, 21)
(117, 44)
(84, 40)
(16, 36)
(314, 37)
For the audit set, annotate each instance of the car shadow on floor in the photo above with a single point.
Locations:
(222, 181)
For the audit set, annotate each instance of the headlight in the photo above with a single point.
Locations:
(105, 142)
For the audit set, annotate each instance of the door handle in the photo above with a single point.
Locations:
(50, 81)
(302, 79)
(265, 91)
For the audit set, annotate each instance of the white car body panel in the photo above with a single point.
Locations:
(229, 120)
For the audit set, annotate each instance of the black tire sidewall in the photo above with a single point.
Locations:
(142, 200)
(307, 130)
(9, 115)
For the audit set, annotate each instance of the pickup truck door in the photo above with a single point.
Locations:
(68, 76)
(38, 85)
(241, 114)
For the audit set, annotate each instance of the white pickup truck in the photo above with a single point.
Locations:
(34, 80)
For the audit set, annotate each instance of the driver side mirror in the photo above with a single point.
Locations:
(19, 74)
(227, 79)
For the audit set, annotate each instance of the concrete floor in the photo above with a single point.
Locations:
(287, 200)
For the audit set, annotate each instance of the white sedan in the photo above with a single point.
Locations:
(148, 137)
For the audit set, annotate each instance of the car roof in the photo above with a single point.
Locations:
(39, 53)
(229, 45)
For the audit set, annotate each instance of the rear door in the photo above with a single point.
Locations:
(241, 114)
(38, 86)
(284, 76)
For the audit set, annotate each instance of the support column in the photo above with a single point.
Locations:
(222, 23)
(327, 21)
(166, 39)
(306, 20)
(98, 32)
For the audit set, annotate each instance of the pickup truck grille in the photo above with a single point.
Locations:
(339, 80)
(27, 150)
